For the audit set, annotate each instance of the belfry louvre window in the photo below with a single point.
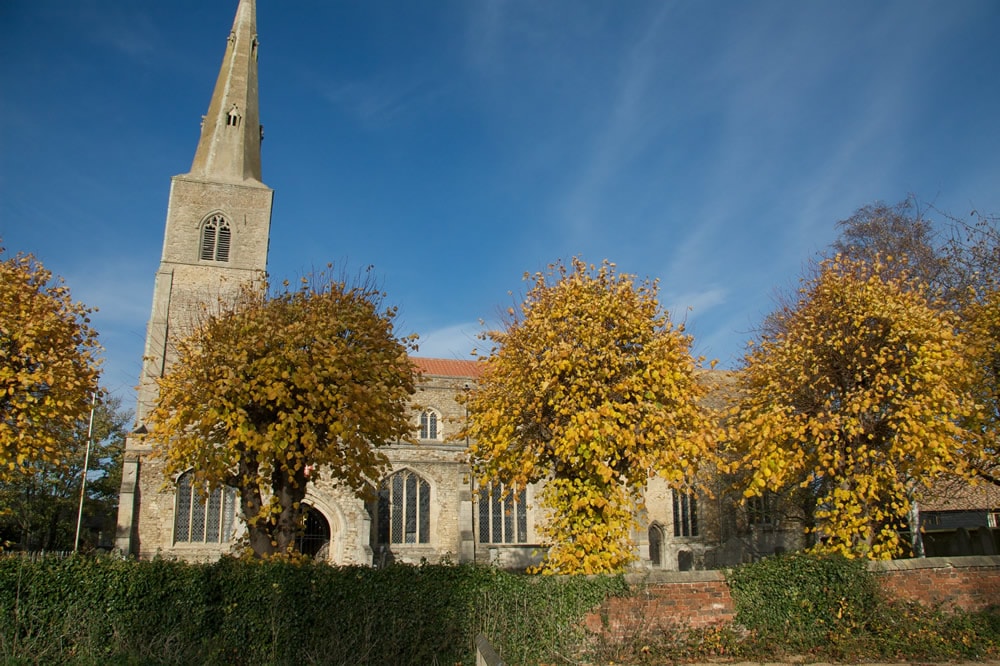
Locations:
(502, 519)
(215, 239)
(685, 514)
(404, 509)
(428, 425)
(203, 519)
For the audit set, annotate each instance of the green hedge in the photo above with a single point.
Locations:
(804, 598)
(832, 608)
(237, 612)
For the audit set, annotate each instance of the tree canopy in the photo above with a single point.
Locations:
(48, 366)
(277, 390)
(859, 396)
(38, 511)
(590, 388)
(982, 323)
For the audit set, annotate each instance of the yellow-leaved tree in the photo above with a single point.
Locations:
(271, 393)
(858, 397)
(982, 323)
(591, 389)
(48, 366)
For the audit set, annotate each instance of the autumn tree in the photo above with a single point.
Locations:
(899, 238)
(39, 511)
(957, 261)
(982, 323)
(277, 390)
(858, 399)
(48, 366)
(591, 389)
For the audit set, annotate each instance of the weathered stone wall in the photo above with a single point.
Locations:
(186, 286)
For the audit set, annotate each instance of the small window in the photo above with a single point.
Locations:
(404, 509)
(761, 510)
(216, 238)
(503, 517)
(428, 425)
(203, 519)
(233, 118)
(685, 514)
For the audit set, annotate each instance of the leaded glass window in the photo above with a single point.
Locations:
(428, 425)
(404, 509)
(200, 518)
(503, 517)
(685, 514)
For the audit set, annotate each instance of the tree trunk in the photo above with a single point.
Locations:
(275, 533)
(252, 503)
(290, 489)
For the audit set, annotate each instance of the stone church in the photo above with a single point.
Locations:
(428, 507)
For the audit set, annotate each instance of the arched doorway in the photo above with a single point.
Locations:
(314, 540)
(655, 545)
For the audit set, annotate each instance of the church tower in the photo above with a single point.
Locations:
(216, 238)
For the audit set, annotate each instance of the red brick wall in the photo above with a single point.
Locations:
(966, 583)
(664, 598)
(701, 598)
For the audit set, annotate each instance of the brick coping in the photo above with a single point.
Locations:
(718, 575)
(963, 562)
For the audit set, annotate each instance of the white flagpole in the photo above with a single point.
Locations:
(86, 464)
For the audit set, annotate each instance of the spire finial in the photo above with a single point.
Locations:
(229, 147)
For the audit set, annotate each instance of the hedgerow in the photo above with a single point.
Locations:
(101, 610)
(107, 611)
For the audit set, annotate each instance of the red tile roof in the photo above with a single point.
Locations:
(443, 367)
(954, 494)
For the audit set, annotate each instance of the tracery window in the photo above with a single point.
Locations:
(404, 509)
(216, 237)
(502, 519)
(428, 424)
(200, 518)
(685, 514)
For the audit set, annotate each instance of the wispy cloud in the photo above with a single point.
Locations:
(453, 342)
(383, 99)
(629, 124)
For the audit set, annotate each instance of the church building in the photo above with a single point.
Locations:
(428, 507)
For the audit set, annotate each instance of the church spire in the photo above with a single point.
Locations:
(229, 147)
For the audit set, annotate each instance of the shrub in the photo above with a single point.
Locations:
(804, 600)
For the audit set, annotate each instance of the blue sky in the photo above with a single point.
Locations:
(456, 144)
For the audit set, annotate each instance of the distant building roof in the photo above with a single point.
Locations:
(954, 494)
(443, 367)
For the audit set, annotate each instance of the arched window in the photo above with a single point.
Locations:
(203, 519)
(404, 509)
(215, 239)
(685, 514)
(502, 519)
(428, 424)
(234, 116)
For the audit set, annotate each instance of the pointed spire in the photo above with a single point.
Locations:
(229, 147)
